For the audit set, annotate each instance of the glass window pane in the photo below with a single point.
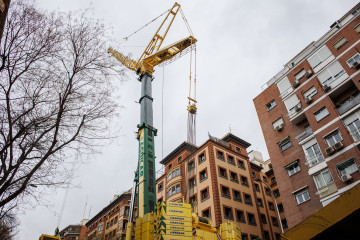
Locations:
(327, 177)
(319, 181)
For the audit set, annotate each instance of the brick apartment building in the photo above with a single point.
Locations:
(309, 114)
(217, 177)
(110, 222)
(74, 232)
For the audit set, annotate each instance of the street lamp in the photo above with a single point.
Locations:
(272, 194)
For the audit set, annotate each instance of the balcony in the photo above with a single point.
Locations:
(327, 190)
(355, 134)
(313, 160)
(297, 114)
(308, 131)
(349, 105)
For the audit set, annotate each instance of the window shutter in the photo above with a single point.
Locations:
(300, 74)
(335, 68)
(291, 102)
(311, 91)
(351, 118)
(357, 28)
(278, 122)
(324, 53)
(314, 60)
(339, 43)
(325, 75)
(284, 85)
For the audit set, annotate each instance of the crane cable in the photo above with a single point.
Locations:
(126, 38)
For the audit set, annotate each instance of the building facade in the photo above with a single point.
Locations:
(110, 223)
(218, 179)
(310, 118)
(74, 232)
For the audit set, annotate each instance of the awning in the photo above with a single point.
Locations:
(285, 139)
(293, 163)
(341, 165)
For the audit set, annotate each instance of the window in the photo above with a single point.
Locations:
(274, 221)
(285, 145)
(225, 192)
(291, 103)
(273, 180)
(203, 175)
(293, 168)
(263, 218)
(267, 191)
(302, 196)
(321, 114)
(204, 195)
(354, 129)
(244, 236)
(170, 166)
(266, 235)
(280, 207)
(357, 28)
(173, 174)
(222, 172)
(174, 190)
(265, 179)
(330, 74)
(257, 188)
(271, 206)
(300, 74)
(160, 187)
(220, 155)
(347, 167)
(192, 200)
(179, 159)
(271, 105)
(284, 223)
(238, 149)
(244, 181)
(191, 165)
(340, 42)
(241, 164)
(276, 193)
(231, 160)
(311, 92)
(353, 59)
(247, 199)
(313, 154)
(260, 202)
(333, 138)
(278, 123)
(240, 216)
(206, 213)
(234, 177)
(237, 196)
(202, 158)
(228, 213)
(251, 219)
(323, 179)
(192, 182)
(284, 86)
(115, 220)
(321, 55)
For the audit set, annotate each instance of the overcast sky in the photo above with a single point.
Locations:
(241, 45)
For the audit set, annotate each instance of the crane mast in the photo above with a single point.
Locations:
(145, 181)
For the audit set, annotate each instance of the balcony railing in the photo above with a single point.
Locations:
(313, 160)
(325, 191)
(349, 105)
(304, 134)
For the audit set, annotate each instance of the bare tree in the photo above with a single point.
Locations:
(8, 226)
(56, 96)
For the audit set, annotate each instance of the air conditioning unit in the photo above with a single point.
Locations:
(326, 87)
(346, 178)
(297, 108)
(329, 151)
(338, 146)
(296, 83)
(279, 128)
(355, 65)
(308, 74)
(308, 100)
